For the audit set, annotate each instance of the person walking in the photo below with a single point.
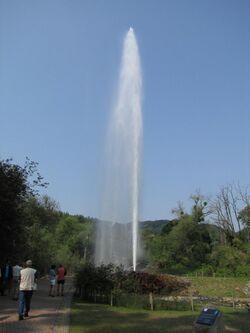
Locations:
(16, 278)
(52, 280)
(27, 286)
(7, 275)
(1, 284)
(61, 273)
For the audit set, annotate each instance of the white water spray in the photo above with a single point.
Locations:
(117, 242)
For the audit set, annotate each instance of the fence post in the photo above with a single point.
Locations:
(151, 301)
(191, 300)
(233, 301)
(111, 298)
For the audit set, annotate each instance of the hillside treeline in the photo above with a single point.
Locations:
(33, 227)
(212, 238)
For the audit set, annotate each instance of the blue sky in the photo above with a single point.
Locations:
(59, 64)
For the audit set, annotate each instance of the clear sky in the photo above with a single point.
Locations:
(59, 64)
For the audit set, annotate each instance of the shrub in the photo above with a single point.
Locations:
(243, 271)
(112, 283)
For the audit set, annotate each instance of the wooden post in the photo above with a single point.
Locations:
(111, 298)
(233, 301)
(191, 300)
(151, 301)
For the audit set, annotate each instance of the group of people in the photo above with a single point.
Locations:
(56, 276)
(9, 279)
(22, 280)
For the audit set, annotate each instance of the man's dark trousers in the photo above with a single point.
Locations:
(24, 302)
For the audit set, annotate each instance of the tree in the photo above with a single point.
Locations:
(188, 245)
(227, 259)
(244, 216)
(226, 210)
(185, 243)
(42, 210)
(39, 216)
(16, 185)
(74, 235)
(199, 209)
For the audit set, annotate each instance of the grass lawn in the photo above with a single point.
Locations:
(97, 318)
(219, 287)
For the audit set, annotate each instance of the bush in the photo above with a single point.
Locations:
(112, 282)
(243, 271)
(223, 271)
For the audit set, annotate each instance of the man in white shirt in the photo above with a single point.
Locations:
(26, 287)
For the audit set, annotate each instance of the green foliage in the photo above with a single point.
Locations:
(168, 227)
(33, 227)
(243, 271)
(74, 236)
(16, 185)
(155, 227)
(39, 246)
(181, 246)
(189, 245)
(227, 259)
(244, 216)
(92, 282)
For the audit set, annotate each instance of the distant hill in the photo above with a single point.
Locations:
(156, 225)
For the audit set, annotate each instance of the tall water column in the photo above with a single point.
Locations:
(117, 238)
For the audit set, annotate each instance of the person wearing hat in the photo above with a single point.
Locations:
(26, 288)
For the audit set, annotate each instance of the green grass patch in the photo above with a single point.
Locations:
(219, 287)
(99, 318)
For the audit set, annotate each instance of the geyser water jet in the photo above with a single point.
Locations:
(117, 239)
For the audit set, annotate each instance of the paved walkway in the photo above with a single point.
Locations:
(47, 314)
